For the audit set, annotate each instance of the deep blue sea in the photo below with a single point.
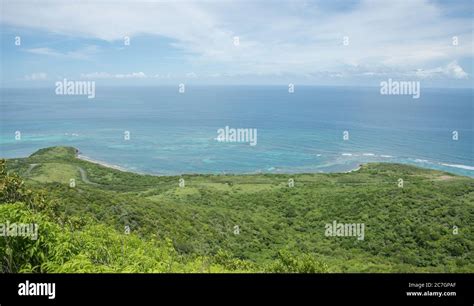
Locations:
(173, 133)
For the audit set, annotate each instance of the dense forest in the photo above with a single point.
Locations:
(96, 219)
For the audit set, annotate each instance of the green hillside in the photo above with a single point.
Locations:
(233, 223)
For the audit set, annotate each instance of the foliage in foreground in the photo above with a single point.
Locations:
(408, 229)
(85, 246)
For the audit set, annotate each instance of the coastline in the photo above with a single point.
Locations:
(102, 163)
(119, 168)
(355, 169)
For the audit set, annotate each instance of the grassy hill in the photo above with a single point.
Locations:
(280, 228)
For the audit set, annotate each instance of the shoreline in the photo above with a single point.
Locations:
(102, 163)
(356, 168)
(116, 167)
(122, 169)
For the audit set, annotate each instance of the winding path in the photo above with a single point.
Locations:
(31, 167)
(84, 177)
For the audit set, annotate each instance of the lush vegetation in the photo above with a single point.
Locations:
(193, 228)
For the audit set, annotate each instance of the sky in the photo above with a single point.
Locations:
(353, 43)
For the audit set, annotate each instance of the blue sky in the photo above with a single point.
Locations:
(280, 42)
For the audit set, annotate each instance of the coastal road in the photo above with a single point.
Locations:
(84, 177)
(31, 167)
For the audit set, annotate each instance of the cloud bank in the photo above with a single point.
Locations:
(365, 38)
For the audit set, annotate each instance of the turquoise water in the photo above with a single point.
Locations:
(173, 133)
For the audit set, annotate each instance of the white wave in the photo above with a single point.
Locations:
(83, 157)
(459, 166)
(421, 160)
(386, 156)
(368, 154)
(352, 170)
(346, 154)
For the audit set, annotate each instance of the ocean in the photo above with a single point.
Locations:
(158, 130)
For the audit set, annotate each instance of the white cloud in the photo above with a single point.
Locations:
(297, 37)
(97, 75)
(191, 75)
(133, 75)
(106, 75)
(38, 76)
(44, 51)
(83, 53)
(451, 70)
(456, 71)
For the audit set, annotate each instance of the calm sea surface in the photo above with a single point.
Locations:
(173, 133)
